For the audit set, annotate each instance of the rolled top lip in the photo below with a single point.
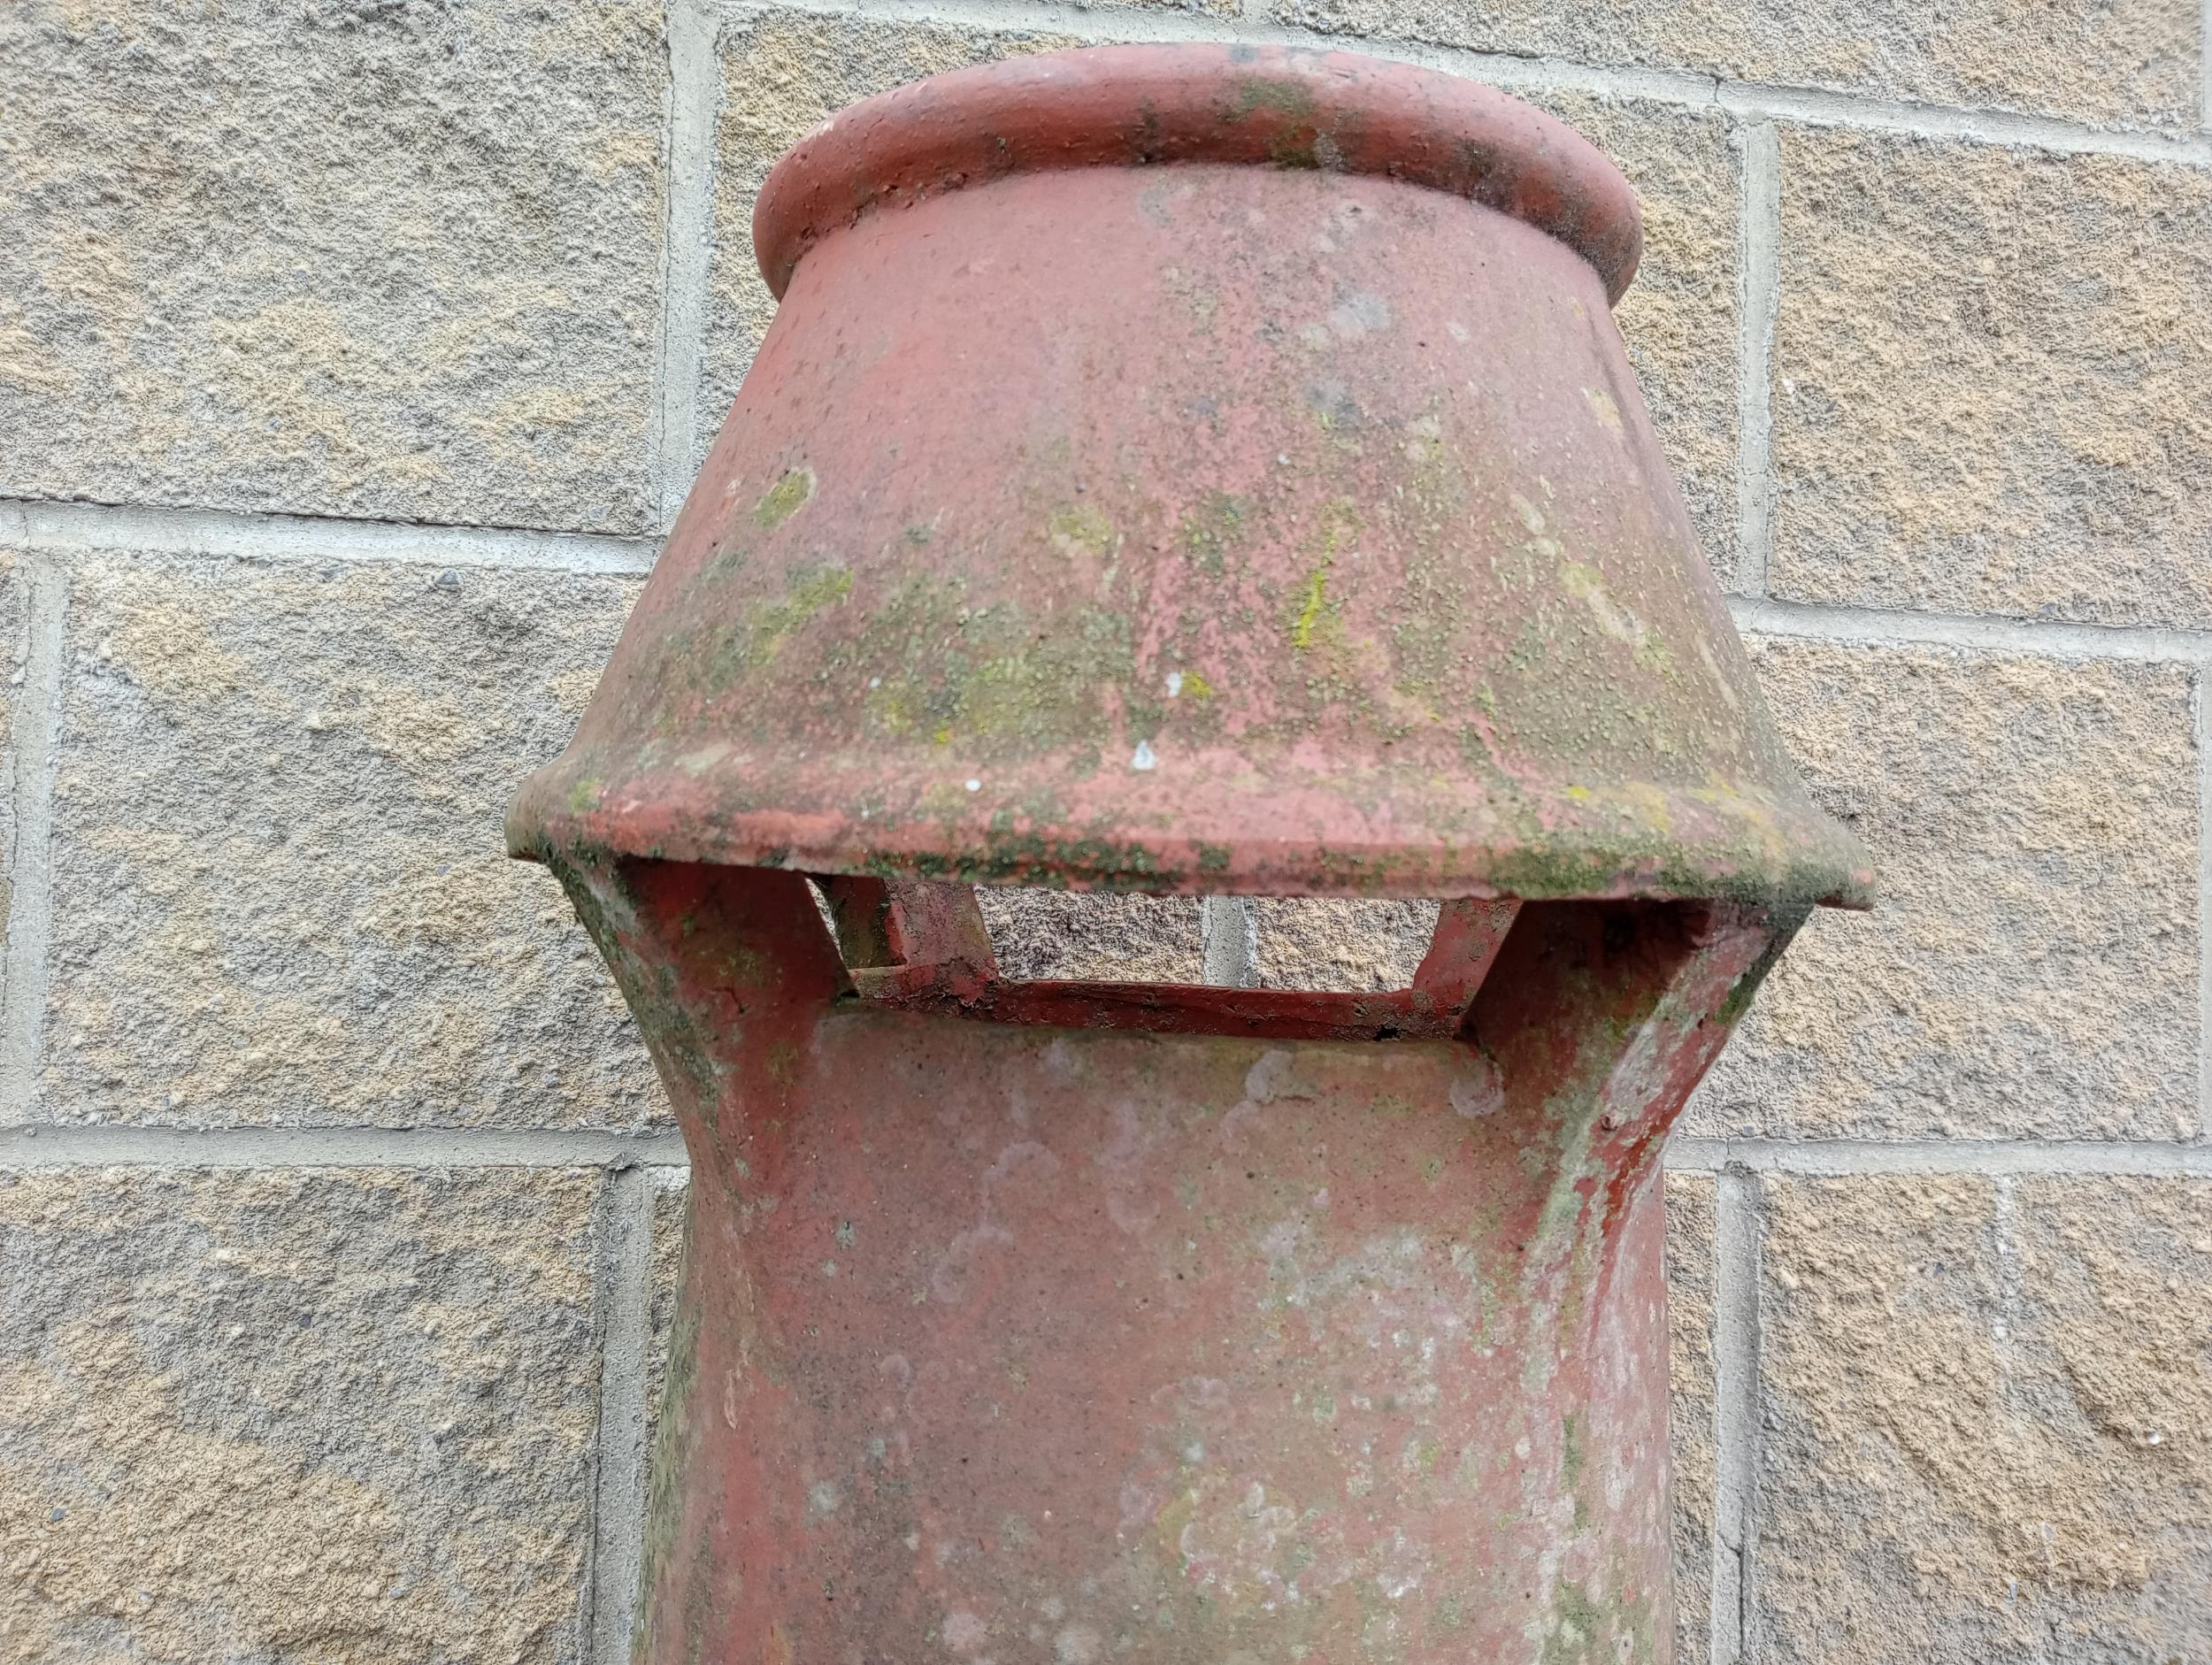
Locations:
(1163, 104)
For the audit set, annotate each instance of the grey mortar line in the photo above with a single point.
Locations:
(1536, 73)
(623, 1294)
(1758, 291)
(2201, 714)
(695, 87)
(1736, 1227)
(1229, 939)
(1867, 626)
(109, 1145)
(24, 961)
(66, 531)
(1845, 1157)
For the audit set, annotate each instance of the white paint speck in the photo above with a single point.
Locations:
(964, 1632)
(1143, 759)
(1174, 684)
(1473, 1099)
(1268, 1075)
(1359, 314)
(975, 785)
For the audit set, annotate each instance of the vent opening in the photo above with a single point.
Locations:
(1293, 967)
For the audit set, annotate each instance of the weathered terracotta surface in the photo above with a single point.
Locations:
(1178, 469)
(1177, 475)
(998, 1340)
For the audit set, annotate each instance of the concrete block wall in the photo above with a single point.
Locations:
(353, 354)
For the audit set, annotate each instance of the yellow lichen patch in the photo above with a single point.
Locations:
(783, 499)
(1081, 529)
(771, 623)
(1312, 598)
(1587, 585)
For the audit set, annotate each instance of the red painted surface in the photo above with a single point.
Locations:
(1196, 469)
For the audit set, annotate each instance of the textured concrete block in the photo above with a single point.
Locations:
(1690, 1291)
(2032, 967)
(1680, 317)
(781, 73)
(1993, 391)
(1335, 943)
(347, 257)
(2124, 62)
(1308, 942)
(291, 1416)
(1988, 1437)
(280, 890)
(1049, 933)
